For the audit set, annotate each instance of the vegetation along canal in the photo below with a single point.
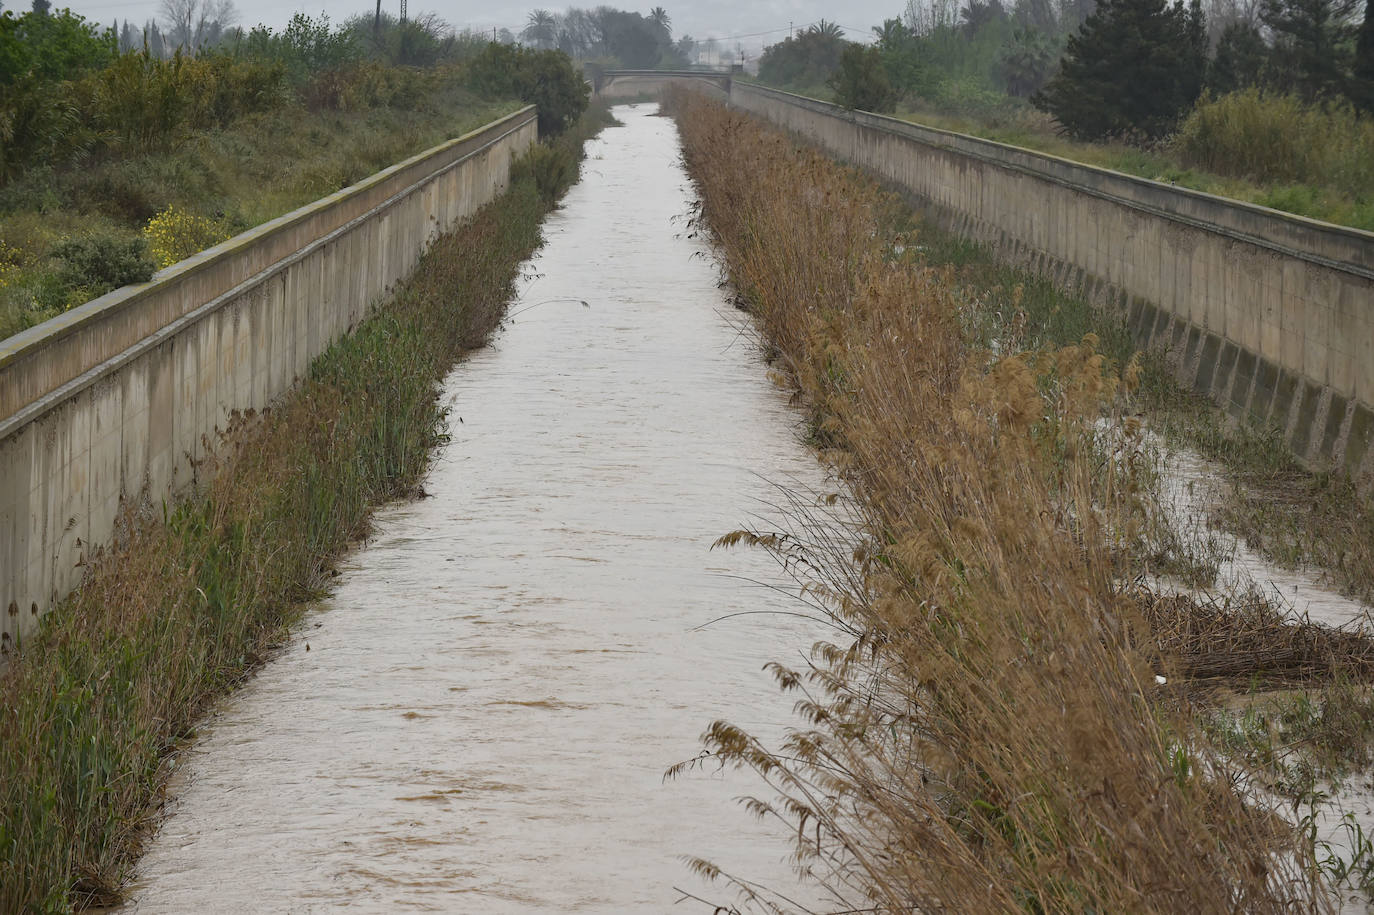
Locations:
(481, 715)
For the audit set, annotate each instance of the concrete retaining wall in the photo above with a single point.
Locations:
(631, 85)
(117, 401)
(1269, 313)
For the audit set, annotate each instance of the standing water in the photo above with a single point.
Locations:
(480, 717)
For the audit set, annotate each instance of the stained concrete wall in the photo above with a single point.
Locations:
(627, 85)
(1271, 314)
(117, 401)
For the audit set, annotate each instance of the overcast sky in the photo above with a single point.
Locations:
(700, 19)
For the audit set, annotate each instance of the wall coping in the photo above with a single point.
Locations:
(28, 342)
(1285, 233)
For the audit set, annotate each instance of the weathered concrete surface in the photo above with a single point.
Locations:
(117, 401)
(612, 85)
(1269, 313)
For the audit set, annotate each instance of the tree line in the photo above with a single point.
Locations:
(1126, 69)
(70, 87)
(611, 37)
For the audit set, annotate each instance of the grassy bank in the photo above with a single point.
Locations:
(182, 611)
(72, 233)
(997, 736)
(1219, 132)
(1270, 150)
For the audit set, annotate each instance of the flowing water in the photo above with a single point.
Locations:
(1192, 486)
(479, 718)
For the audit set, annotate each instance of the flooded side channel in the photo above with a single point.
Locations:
(479, 719)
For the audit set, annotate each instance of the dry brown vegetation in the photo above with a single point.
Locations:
(994, 737)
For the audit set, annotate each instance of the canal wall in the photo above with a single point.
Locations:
(117, 402)
(1271, 314)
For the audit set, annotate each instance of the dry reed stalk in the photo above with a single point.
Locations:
(991, 741)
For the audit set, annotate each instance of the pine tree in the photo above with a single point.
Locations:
(1132, 69)
(1241, 59)
(1362, 75)
(1312, 42)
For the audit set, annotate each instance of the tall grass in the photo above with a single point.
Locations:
(1266, 149)
(234, 177)
(181, 611)
(1279, 138)
(993, 738)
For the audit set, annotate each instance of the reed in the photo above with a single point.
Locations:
(994, 737)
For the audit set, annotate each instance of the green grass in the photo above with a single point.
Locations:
(183, 610)
(1033, 130)
(265, 165)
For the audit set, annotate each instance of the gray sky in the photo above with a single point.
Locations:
(700, 19)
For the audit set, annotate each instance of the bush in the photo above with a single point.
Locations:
(142, 102)
(98, 263)
(545, 79)
(1271, 137)
(551, 167)
(175, 235)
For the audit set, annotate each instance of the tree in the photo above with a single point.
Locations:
(979, 14)
(1036, 14)
(1132, 69)
(1362, 74)
(195, 24)
(687, 48)
(861, 81)
(1026, 62)
(805, 61)
(827, 30)
(659, 17)
(541, 29)
(1312, 42)
(1240, 61)
(129, 38)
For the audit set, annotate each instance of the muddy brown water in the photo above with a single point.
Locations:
(479, 718)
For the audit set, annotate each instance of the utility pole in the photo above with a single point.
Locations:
(789, 29)
(377, 23)
(403, 11)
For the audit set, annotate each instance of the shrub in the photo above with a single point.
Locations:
(551, 168)
(1272, 137)
(142, 102)
(545, 79)
(98, 263)
(861, 81)
(175, 235)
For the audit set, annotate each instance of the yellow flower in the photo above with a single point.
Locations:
(175, 235)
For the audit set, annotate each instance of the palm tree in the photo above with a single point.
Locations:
(827, 29)
(541, 29)
(659, 17)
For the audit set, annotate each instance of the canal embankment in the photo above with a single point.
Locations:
(194, 595)
(480, 714)
(1015, 724)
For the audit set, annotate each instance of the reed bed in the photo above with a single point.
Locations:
(992, 738)
(1246, 641)
(193, 598)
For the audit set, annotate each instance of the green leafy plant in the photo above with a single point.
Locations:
(98, 263)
